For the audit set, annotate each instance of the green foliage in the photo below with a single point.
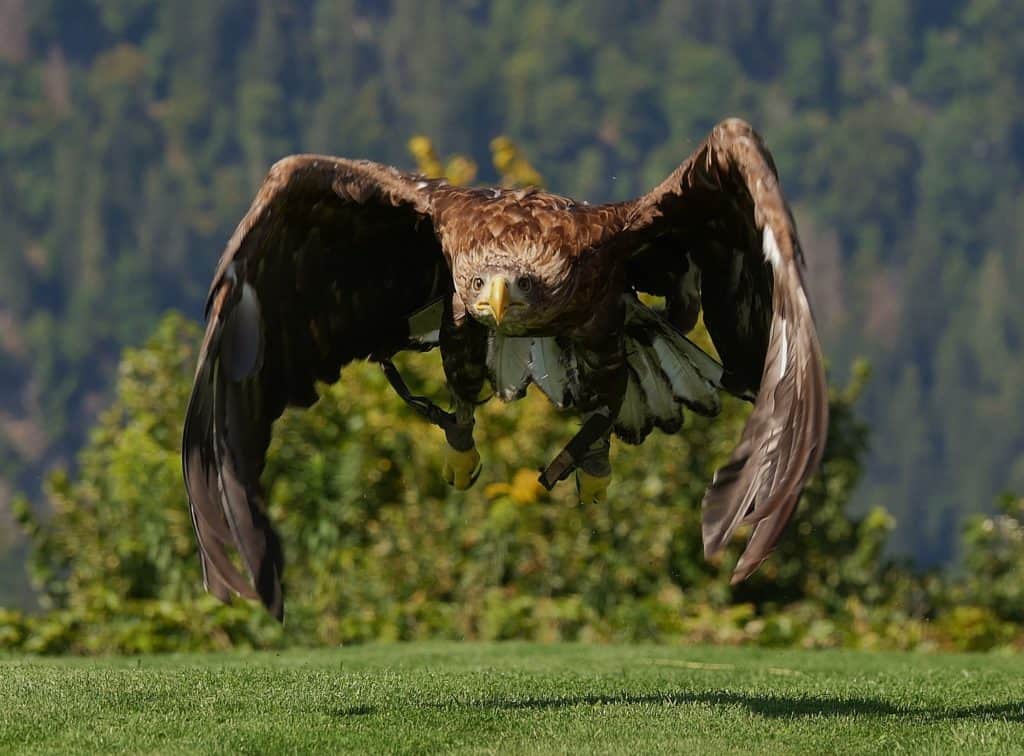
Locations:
(379, 547)
(993, 570)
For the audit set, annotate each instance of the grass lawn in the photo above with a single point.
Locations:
(516, 698)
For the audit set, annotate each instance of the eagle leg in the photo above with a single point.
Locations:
(463, 344)
(603, 376)
(595, 472)
(592, 489)
(460, 469)
(586, 451)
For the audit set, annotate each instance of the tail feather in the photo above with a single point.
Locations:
(634, 422)
(697, 390)
(665, 411)
(667, 372)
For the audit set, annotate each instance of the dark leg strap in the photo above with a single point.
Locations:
(459, 435)
(594, 429)
(423, 406)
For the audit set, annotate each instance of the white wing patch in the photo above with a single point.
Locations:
(508, 362)
(553, 369)
(771, 248)
(783, 347)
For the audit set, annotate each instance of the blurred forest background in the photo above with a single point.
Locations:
(133, 134)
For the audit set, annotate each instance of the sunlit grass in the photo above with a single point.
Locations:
(515, 698)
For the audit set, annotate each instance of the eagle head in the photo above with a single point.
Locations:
(513, 294)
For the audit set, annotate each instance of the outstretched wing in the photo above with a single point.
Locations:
(717, 235)
(326, 267)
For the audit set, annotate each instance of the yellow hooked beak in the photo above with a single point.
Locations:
(497, 297)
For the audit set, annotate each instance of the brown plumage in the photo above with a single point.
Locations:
(339, 260)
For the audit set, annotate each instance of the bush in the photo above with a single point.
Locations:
(378, 547)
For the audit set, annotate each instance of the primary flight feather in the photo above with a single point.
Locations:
(339, 260)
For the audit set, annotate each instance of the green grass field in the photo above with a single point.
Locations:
(516, 698)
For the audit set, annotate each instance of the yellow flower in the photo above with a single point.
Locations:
(524, 488)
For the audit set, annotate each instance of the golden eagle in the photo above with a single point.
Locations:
(339, 260)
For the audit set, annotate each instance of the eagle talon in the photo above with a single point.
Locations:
(592, 489)
(461, 468)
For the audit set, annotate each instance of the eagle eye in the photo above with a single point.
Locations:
(478, 283)
(524, 283)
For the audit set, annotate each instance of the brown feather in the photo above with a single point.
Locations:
(323, 269)
(723, 211)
